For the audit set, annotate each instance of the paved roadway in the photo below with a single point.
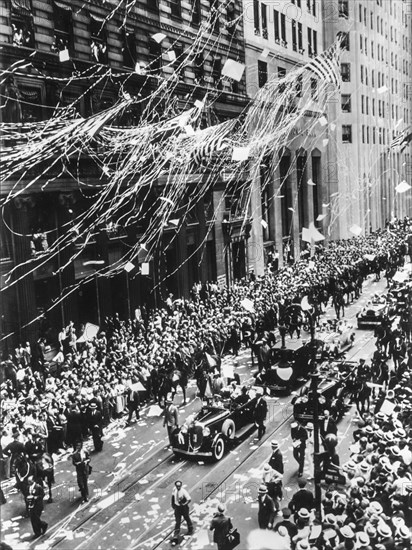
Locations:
(133, 478)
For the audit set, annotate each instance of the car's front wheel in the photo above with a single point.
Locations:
(229, 429)
(219, 448)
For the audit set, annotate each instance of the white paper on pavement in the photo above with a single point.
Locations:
(155, 410)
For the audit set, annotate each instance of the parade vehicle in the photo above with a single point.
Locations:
(339, 341)
(219, 424)
(290, 365)
(374, 313)
(335, 386)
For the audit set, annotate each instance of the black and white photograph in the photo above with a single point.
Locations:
(206, 274)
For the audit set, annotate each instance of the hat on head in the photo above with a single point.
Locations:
(347, 532)
(380, 415)
(303, 545)
(221, 508)
(294, 425)
(330, 519)
(404, 532)
(384, 530)
(376, 507)
(390, 394)
(304, 513)
(364, 467)
(400, 432)
(267, 467)
(362, 539)
(283, 531)
(396, 450)
(93, 405)
(369, 429)
(259, 391)
(274, 444)
(370, 530)
(262, 489)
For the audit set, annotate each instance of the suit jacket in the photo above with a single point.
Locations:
(220, 525)
(82, 464)
(34, 498)
(266, 508)
(94, 419)
(261, 410)
(328, 427)
(302, 499)
(171, 416)
(276, 461)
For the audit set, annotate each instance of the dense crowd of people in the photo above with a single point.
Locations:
(95, 380)
(367, 503)
(167, 346)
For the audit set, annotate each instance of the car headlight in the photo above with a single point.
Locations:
(206, 431)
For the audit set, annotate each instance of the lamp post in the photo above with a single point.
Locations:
(307, 308)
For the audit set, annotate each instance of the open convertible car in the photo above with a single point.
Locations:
(334, 388)
(290, 366)
(373, 313)
(339, 341)
(217, 426)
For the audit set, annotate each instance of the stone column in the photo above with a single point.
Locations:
(255, 244)
(275, 213)
(293, 179)
(26, 297)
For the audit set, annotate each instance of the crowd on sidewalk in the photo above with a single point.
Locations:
(371, 508)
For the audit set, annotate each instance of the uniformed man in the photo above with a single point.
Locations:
(260, 413)
(34, 502)
(95, 423)
(81, 460)
(299, 438)
(171, 418)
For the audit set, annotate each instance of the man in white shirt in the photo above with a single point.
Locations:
(180, 504)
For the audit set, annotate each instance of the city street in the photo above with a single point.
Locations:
(133, 477)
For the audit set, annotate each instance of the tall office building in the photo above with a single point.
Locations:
(63, 52)
(373, 109)
(280, 37)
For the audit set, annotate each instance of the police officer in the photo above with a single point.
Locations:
(34, 502)
(299, 438)
(95, 423)
(260, 413)
(171, 419)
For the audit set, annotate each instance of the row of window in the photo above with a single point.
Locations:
(279, 26)
(263, 78)
(310, 6)
(346, 106)
(23, 32)
(372, 134)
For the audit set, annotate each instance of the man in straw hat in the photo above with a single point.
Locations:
(220, 525)
(266, 513)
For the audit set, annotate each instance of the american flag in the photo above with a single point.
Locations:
(403, 139)
(326, 66)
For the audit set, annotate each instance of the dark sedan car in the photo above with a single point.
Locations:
(289, 365)
(214, 428)
(334, 387)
